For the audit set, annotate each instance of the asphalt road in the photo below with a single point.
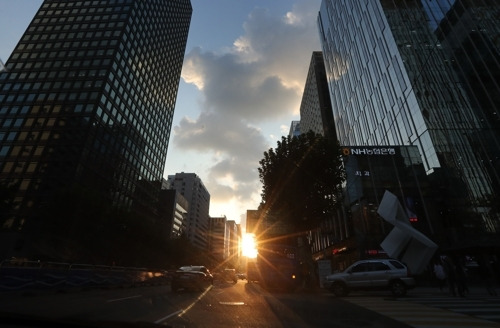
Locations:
(223, 305)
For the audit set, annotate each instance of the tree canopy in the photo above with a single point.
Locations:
(302, 180)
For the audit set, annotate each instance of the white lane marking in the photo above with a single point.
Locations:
(123, 299)
(232, 303)
(180, 313)
(168, 316)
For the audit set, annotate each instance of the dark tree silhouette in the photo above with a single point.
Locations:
(302, 181)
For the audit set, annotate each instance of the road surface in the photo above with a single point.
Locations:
(244, 305)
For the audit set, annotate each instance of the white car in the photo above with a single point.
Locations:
(372, 274)
(192, 277)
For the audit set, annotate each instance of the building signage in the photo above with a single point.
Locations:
(347, 151)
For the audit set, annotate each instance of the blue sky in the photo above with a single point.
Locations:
(245, 67)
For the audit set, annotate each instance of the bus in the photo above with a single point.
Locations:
(278, 267)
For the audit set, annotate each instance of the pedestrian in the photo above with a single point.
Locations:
(449, 269)
(461, 274)
(439, 273)
(487, 274)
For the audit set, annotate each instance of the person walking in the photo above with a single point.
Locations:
(439, 273)
(461, 274)
(449, 269)
(487, 274)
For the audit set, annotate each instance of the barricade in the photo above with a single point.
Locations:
(37, 275)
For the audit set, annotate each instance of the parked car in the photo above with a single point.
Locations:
(195, 277)
(373, 274)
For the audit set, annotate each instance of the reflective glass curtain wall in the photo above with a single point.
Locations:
(422, 73)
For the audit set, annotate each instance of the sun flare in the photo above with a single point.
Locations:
(248, 245)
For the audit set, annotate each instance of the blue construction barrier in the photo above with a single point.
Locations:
(20, 275)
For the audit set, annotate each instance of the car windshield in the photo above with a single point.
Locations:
(249, 163)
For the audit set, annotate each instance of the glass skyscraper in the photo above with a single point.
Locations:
(424, 73)
(315, 108)
(86, 108)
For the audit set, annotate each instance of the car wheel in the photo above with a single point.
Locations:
(398, 288)
(339, 289)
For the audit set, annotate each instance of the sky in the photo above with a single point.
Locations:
(241, 85)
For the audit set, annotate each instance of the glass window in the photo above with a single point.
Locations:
(4, 151)
(11, 136)
(7, 123)
(379, 266)
(18, 122)
(397, 265)
(362, 267)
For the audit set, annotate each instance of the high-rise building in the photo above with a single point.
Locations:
(294, 129)
(197, 222)
(218, 238)
(86, 108)
(173, 212)
(234, 237)
(316, 113)
(424, 73)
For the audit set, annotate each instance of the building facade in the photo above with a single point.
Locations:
(370, 172)
(86, 108)
(424, 74)
(218, 238)
(234, 241)
(294, 129)
(316, 113)
(173, 212)
(191, 187)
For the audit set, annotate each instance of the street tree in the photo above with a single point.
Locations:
(302, 181)
(302, 186)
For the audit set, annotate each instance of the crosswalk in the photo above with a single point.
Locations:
(487, 308)
(435, 312)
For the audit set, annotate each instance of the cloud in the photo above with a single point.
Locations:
(260, 78)
(239, 89)
(235, 148)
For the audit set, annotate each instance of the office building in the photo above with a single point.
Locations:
(86, 108)
(294, 129)
(191, 187)
(316, 113)
(234, 238)
(173, 212)
(218, 238)
(425, 74)
(370, 171)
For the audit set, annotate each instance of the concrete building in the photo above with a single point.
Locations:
(191, 187)
(233, 243)
(218, 238)
(173, 210)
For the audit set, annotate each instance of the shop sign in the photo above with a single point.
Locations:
(384, 151)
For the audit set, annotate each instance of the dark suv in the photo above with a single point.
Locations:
(371, 274)
(192, 277)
